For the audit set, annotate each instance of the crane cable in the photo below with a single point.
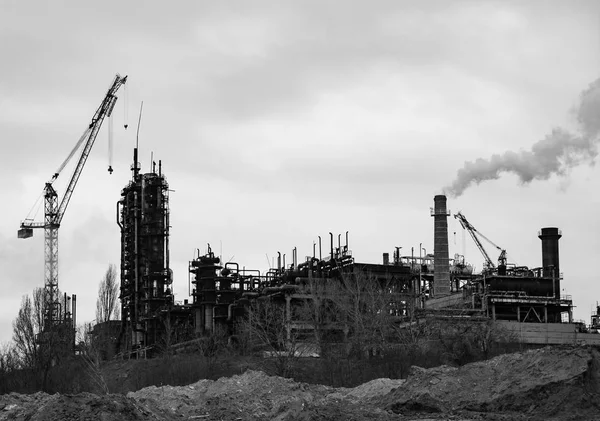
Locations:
(66, 161)
(110, 143)
(36, 206)
(126, 107)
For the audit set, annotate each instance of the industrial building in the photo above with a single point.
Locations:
(424, 286)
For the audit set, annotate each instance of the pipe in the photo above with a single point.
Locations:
(229, 312)
(119, 202)
(339, 244)
(346, 240)
(295, 257)
(313, 250)
(251, 271)
(159, 167)
(331, 244)
(278, 260)
(74, 310)
(320, 255)
(237, 266)
(135, 163)
(136, 267)
(165, 205)
(283, 261)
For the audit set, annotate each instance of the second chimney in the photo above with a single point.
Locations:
(441, 262)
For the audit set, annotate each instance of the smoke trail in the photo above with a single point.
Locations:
(556, 154)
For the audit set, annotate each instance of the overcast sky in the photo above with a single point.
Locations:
(280, 121)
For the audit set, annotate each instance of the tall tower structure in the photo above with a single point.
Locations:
(146, 278)
(441, 268)
(550, 256)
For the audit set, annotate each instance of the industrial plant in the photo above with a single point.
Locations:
(526, 300)
(431, 285)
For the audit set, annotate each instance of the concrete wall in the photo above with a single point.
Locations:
(549, 333)
(447, 301)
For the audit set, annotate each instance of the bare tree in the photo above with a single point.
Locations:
(107, 307)
(24, 333)
(267, 328)
(367, 306)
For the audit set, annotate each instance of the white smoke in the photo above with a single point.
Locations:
(556, 154)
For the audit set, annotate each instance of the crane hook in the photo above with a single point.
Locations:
(110, 169)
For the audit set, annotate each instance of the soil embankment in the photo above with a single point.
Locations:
(549, 383)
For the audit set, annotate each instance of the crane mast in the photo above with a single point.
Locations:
(54, 211)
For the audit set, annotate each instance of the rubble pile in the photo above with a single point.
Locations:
(550, 383)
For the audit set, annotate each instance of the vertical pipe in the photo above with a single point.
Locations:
(320, 255)
(331, 245)
(166, 232)
(135, 325)
(74, 311)
(135, 164)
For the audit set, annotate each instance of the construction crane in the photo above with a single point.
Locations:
(55, 211)
(489, 264)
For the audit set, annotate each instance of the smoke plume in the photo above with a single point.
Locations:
(556, 154)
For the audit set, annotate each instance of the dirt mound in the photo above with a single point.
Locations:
(83, 406)
(542, 383)
(551, 383)
(252, 395)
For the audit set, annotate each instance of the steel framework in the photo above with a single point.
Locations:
(54, 211)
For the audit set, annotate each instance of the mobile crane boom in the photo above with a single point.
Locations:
(489, 264)
(54, 212)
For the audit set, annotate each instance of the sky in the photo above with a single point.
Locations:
(277, 122)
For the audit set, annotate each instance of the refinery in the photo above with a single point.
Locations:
(525, 300)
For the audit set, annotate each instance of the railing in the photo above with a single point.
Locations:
(435, 212)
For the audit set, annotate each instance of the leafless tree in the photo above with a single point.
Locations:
(107, 307)
(366, 306)
(25, 330)
(267, 328)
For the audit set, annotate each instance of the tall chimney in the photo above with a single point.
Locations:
(441, 268)
(550, 258)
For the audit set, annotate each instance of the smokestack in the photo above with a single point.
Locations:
(550, 257)
(441, 268)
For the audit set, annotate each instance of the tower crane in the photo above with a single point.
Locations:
(55, 211)
(489, 264)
